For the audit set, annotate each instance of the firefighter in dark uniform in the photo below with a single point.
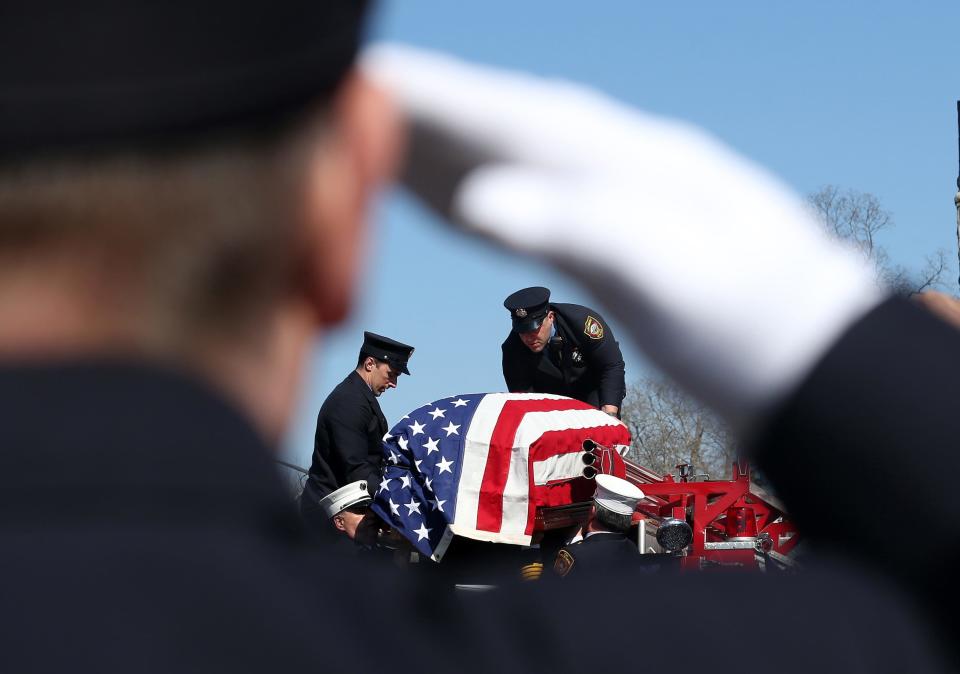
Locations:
(565, 349)
(350, 427)
(605, 541)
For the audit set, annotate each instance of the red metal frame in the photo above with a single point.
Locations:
(708, 506)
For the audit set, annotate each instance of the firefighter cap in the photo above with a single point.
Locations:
(616, 494)
(528, 307)
(388, 350)
(347, 496)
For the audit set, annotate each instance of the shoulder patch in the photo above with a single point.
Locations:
(563, 563)
(592, 328)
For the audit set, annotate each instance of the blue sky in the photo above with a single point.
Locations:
(861, 95)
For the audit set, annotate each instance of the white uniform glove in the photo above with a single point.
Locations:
(715, 268)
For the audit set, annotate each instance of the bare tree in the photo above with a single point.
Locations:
(669, 427)
(928, 277)
(857, 218)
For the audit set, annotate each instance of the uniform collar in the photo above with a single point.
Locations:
(360, 381)
(131, 434)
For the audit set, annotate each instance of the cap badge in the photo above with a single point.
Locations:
(521, 313)
(592, 328)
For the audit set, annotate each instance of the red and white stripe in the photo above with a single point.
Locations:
(517, 446)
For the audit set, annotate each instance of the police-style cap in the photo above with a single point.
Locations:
(528, 308)
(348, 496)
(388, 350)
(116, 73)
(616, 494)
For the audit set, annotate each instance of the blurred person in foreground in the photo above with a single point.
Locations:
(181, 200)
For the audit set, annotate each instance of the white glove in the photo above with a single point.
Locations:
(715, 268)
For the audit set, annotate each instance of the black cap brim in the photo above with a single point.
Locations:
(390, 351)
(527, 324)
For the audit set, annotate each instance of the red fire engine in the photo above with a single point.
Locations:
(705, 522)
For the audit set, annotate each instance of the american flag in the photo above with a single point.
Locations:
(479, 465)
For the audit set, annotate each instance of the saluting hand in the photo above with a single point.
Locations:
(714, 266)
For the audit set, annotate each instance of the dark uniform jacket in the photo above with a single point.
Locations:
(348, 443)
(144, 527)
(596, 553)
(875, 426)
(583, 361)
(605, 551)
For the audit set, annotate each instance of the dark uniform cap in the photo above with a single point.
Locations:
(82, 75)
(528, 308)
(388, 350)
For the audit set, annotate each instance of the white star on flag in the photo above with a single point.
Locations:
(412, 507)
(460, 402)
(451, 429)
(417, 428)
(422, 532)
(394, 508)
(384, 484)
(405, 481)
(386, 436)
(402, 441)
(417, 463)
(437, 503)
(436, 413)
(427, 481)
(394, 458)
(431, 446)
(444, 465)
